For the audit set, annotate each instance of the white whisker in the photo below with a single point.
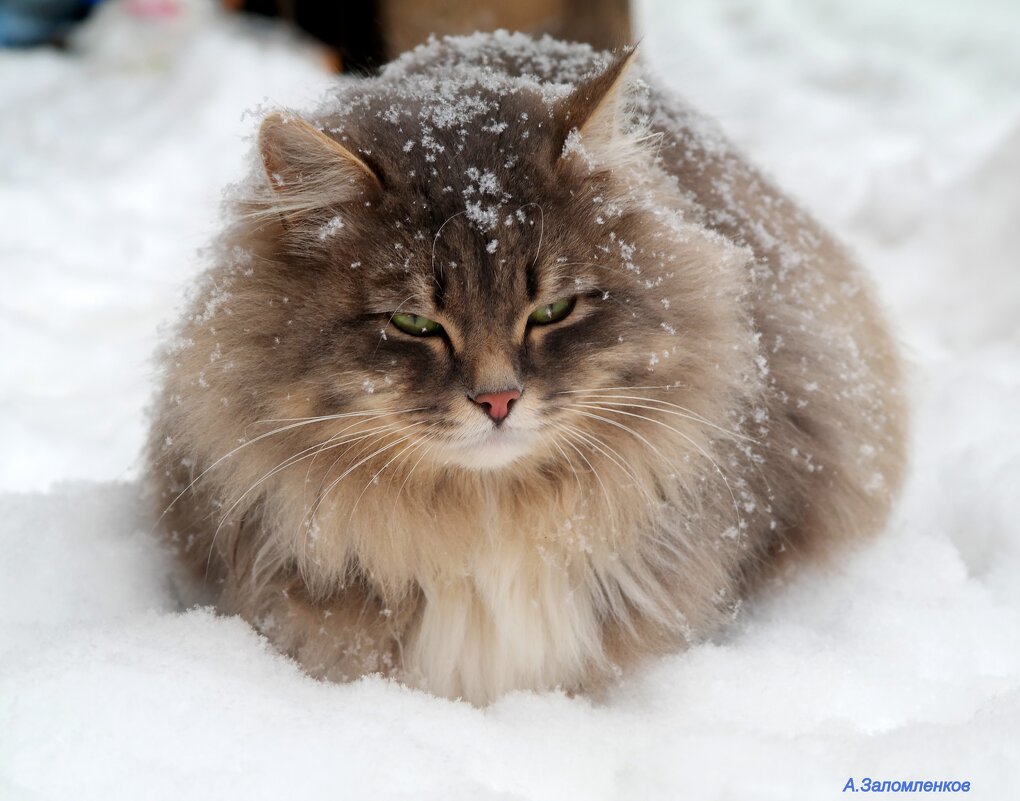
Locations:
(297, 423)
(356, 465)
(675, 430)
(605, 491)
(683, 411)
(310, 452)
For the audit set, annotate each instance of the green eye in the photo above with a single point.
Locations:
(552, 312)
(416, 325)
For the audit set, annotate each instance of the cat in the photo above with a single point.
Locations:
(510, 373)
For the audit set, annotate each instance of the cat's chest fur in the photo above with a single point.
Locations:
(514, 620)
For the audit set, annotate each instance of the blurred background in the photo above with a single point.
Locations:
(358, 36)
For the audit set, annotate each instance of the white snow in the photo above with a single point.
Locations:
(898, 124)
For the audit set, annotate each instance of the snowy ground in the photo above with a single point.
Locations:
(898, 123)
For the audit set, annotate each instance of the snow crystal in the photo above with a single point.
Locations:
(485, 217)
(330, 227)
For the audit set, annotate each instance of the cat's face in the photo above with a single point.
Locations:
(485, 344)
(478, 340)
(467, 304)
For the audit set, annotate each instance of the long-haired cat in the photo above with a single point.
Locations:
(510, 372)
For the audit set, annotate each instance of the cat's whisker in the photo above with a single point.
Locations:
(375, 477)
(226, 456)
(617, 410)
(611, 508)
(381, 430)
(699, 448)
(429, 439)
(368, 441)
(402, 458)
(628, 387)
(435, 239)
(605, 405)
(336, 482)
(683, 411)
(609, 452)
(667, 463)
(426, 437)
(339, 416)
(569, 462)
(606, 392)
(356, 465)
(310, 452)
(296, 423)
(339, 435)
(629, 430)
(596, 443)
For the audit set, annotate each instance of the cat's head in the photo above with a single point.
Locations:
(483, 271)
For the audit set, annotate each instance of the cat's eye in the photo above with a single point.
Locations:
(552, 312)
(416, 325)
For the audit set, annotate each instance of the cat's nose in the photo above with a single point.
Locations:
(497, 404)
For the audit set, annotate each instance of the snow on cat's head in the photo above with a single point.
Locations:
(466, 260)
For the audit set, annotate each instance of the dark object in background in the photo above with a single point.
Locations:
(33, 22)
(369, 33)
(604, 24)
(352, 30)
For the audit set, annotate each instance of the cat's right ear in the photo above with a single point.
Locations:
(309, 170)
(590, 119)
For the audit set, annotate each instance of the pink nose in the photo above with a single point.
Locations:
(497, 404)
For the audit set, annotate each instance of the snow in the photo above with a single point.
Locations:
(899, 125)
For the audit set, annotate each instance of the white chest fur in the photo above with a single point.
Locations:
(515, 621)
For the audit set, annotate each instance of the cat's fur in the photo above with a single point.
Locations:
(725, 394)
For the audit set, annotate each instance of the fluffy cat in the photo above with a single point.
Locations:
(510, 372)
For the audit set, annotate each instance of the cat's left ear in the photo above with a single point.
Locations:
(591, 116)
(309, 170)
